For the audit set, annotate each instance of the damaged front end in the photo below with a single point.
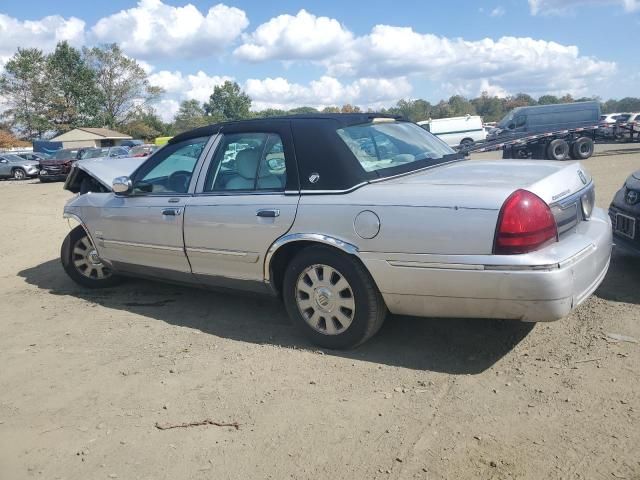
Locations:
(97, 174)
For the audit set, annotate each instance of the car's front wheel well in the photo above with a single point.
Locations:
(287, 252)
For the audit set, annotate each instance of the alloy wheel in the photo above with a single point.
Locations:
(87, 261)
(325, 299)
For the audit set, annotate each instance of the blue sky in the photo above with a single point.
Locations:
(372, 53)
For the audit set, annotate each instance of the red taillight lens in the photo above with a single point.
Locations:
(525, 224)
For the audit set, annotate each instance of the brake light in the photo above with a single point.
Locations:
(525, 224)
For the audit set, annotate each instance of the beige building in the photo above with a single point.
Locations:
(90, 137)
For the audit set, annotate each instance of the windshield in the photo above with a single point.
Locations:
(504, 123)
(65, 154)
(94, 153)
(391, 144)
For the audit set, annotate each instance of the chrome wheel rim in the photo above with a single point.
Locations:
(18, 174)
(86, 260)
(325, 299)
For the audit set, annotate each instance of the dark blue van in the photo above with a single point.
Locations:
(523, 121)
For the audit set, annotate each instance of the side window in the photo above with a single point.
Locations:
(170, 171)
(521, 120)
(248, 162)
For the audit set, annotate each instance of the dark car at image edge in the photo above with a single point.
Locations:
(625, 216)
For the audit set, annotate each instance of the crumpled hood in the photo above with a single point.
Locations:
(105, 169)
(636, 175)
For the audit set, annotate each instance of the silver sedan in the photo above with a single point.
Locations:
(345, 217)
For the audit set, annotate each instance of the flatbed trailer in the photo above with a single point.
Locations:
(575, 143)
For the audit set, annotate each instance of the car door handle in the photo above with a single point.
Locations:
(172, 212)
(268, 213)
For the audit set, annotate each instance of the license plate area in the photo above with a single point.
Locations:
(625, 225)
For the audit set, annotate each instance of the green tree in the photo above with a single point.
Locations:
(23, 86)
(413, 110)
(147, 125)
(331, 110)
(123, 84)
(491, 109)
(228, 102)
(190, 115)
(302, 110)
(348, 108)
(73, 98)
(460, 106)
(548, 100)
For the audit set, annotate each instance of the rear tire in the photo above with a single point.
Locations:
(558, 149)
(582, 148)
(19, 174)
(466, 143)
(332, 298)
(80, 261)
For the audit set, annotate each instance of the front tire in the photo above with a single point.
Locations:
(81, 262)
(19, 174)
(332, 298)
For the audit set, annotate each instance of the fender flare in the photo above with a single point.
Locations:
(309, 237)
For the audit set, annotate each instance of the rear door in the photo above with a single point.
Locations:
(246, 198)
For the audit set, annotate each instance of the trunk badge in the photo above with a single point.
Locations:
(632, 197)
(582, 176)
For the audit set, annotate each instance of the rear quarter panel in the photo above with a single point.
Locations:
(403, 228)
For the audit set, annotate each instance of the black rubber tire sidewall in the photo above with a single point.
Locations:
(551, 150)
(575, 150)
(67, 263)
(370, 307)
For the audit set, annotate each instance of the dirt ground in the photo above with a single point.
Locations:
(85, 376)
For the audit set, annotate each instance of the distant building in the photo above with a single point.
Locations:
(91, 137)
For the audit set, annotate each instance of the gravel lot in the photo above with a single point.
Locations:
(86, 375)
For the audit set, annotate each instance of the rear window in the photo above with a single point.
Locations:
(64, 154)
(381, 146)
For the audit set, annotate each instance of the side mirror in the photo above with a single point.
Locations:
(511, 126)
(121, 185)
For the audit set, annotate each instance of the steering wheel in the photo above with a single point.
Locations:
(179, 181)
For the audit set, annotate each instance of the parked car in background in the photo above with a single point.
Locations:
(16, 167)
(104, 152)
(625, 215)
(36, 156)
(523, 121)
(56, 167)
(457, 131)
(307, 210)
(131, 143)
(143, 150)
(607, 123)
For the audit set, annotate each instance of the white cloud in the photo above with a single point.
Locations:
(510, 63)
(43, 34)
(155, 29)
(559, 7)
(326, 91)
(167, 109)
(497, 12)
(288, 37)
(186, 87)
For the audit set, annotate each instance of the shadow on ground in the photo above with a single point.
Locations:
(622, 283)
(457, 346)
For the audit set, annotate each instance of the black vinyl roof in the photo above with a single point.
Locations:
(342, 120)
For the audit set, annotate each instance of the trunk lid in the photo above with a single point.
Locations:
(487, 184)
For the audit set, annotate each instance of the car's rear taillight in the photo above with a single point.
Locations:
(525, 224)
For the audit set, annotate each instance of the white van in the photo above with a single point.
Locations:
(454, 131)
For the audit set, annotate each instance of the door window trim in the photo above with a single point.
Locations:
(206, 151)
(210, 157)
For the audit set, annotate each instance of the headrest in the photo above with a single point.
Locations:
(247, 163)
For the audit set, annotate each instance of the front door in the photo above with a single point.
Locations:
(240, 207)
(143, 230)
